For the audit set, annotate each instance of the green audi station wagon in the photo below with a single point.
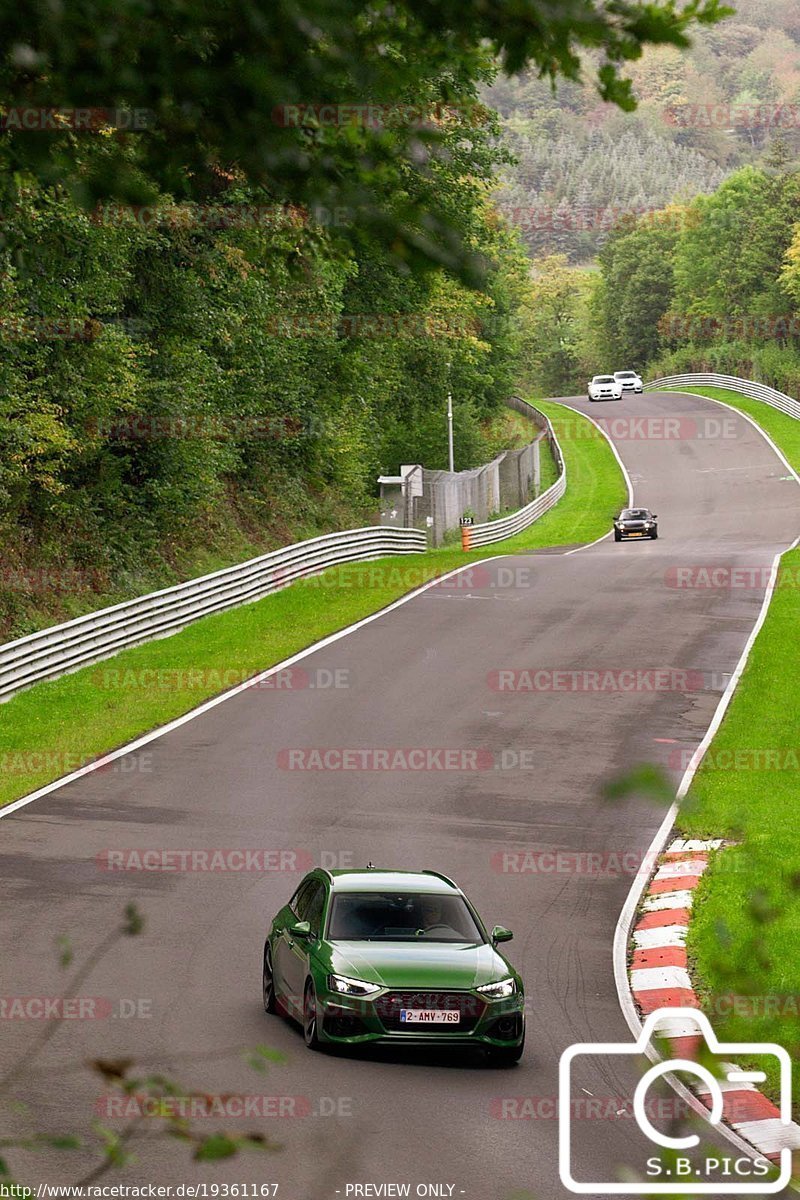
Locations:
(394, 957)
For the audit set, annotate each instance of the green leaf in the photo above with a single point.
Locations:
(215, 1147)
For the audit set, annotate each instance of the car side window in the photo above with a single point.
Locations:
(314, 908)
(299, 901)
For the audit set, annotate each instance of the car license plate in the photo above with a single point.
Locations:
(635, 535)
(429, 1016)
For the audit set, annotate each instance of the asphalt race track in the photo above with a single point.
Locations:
(417, 677)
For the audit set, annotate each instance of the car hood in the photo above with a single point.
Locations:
(420, 964)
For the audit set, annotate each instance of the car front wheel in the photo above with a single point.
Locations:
(654, 534)
(617, 536)
(310, 1017)
(507, 1056)
(268, 982)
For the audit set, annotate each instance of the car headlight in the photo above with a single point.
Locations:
(352, 987)
(499, 990)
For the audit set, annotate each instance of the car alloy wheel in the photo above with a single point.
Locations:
(268, 982)
(310, 1017)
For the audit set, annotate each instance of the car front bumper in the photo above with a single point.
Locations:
(352, 1021)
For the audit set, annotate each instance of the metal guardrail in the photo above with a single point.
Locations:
(90, 638)
(731, 383)
(495, 531)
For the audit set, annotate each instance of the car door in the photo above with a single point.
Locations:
(309, 908)
(283, 944)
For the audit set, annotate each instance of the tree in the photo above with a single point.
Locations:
(550, 326)
(728, 261)
(184, 98)
(636, 263)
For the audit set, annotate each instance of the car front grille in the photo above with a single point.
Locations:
(388, 1009)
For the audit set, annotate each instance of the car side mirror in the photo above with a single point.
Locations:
(655, 516)
(501, 934)
(300, 930)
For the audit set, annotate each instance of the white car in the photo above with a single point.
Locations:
(605, 387)
(630, 381)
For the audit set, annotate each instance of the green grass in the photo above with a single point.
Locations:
(54, 727)
(744, 935)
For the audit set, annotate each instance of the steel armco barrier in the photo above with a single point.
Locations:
(496, 531)
(730, 383)
(63, 648)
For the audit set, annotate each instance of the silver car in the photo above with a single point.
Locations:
(629, 381)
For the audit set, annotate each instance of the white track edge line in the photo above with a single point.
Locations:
(161, 730)
(207, 705)
(625, 920)
(620, 463)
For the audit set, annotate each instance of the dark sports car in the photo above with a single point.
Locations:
(635, 523)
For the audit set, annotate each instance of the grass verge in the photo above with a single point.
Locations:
(743, 940)
(55, 727)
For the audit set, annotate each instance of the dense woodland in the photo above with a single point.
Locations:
(710, 286)
(220, 323)
(178, 374)
(701, 114)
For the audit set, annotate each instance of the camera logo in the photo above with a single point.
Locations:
(677, 1174)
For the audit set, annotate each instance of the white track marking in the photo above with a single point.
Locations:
(620, 946)
(652, 979)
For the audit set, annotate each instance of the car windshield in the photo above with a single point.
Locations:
(401, 916)
(603, 379)
(625, 374)
(634, 514)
